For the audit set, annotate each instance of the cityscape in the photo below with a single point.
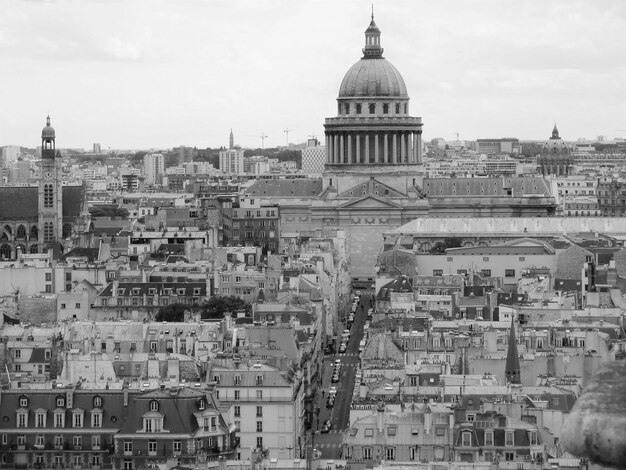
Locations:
(356, 294)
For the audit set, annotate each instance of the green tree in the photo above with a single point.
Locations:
(216, 306)
(172, 312)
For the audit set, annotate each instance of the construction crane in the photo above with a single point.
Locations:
(287, 131)
(262, 137)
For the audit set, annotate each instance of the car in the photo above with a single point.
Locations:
(330, 401)
(335, 378)
(337, 362)
(342, 348)
(358, 293)
(327, 426)
(332, 391)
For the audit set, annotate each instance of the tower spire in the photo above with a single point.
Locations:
(372, 49)
(231, 140)
(512, 368)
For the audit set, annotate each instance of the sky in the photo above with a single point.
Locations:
(141, 74)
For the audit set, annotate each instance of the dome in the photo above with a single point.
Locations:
(373, 77)
(48, 131)
(555, 145)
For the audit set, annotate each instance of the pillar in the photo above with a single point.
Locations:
(402, 147)
(386, 149)
(418, 153)
(342, 152)
(394, 149)
(349, 138)
(328, 149)
(367, 148)
(358, 147)
(376, 149)
(414, 153)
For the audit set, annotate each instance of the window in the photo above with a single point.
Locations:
(397, 108)
(489, 438)
(367, 453)
(391, 431)
(509, 273)
(466, 439)
(77, 460)
(39, 441)
(40, 420)
(532, 437)
(437, 272)
(97, 401)
(238, 411)
(509, 456)
(22, 420)
(59, 419)
(21, 439)
(259, 426)
(77, 419)
(358, 108)
(177, 447)
(152, 448)
(128, 447)
(237, 379)
(485, 272)
(96, 442)
(128, 465)
(153, 424)
(508, 438)
(259, 442)
(58, 442)
(390, 453)
(237, 395)
(386, 108)
(440, 431)
(96, 419)
(259, 394)
(96, 461)
(23, 401)
(259, 411)
(77, 442)
(369, 432)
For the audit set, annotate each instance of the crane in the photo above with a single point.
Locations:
(263, 137)
(287, 131)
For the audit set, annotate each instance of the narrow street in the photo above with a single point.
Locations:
(329, 444)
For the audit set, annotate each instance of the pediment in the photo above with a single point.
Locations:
(372, 187)
(369, 202)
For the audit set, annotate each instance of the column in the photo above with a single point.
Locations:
(335, 148)
(394, 149)
(402, 147)
(418, 150)
(358, 147)
(386, 148)
(349, 138)
(342, 153)
(376, 149)
(367, 148)
(415, 147)
(328, 149)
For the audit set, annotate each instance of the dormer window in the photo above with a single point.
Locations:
(201, 404)
(60, 402)
(237, 379)
(23, 402)
(97, 401)
(120, 291)
(259, 380)
(77, 418)
(152, 422)
(180, 291)
(154, 405)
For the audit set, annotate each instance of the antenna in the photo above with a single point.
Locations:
(457, 136)
(287, 131)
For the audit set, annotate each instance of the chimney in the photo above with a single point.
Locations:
(125, 397)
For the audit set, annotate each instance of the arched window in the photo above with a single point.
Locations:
(48, 232)
(8, 229)
(48, 192)
(386, 108)
(347, 108)
(358, 108)
(406, 108)
(154, 405)
(21, 232)
(21, 248)
(34, 233)
(67, 230)
(33, 249)
(397, 108)
(372, 108)
(5, 251)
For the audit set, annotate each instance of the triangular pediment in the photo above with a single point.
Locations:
(372, 187)
(369, 202)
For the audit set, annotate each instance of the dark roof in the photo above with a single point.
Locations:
(399, 284)
(38, 355)
(295, 187)
(73, 197)
(127, 288)
(19, 202)
(90, 253)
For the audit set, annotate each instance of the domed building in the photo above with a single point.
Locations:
(373, 132)
(555, 158)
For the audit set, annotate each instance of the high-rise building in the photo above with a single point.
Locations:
(313, 158)
(153, 168)
(96, 148)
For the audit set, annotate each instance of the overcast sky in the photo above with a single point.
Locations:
(157, 74)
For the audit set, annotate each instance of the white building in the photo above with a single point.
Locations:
(153, 168)
(313, 158)
(231, 161)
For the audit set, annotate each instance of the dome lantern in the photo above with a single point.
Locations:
(48, 135)
(372, 49)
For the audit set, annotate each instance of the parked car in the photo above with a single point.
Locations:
(330, 401)
(332, 391)
(327, 426)
(335, 378)
(342, 348)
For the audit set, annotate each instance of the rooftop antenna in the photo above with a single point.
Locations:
(457, 136)
(372, 11)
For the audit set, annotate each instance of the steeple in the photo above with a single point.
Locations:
(372, 49)
(231, 140)
(555, 132)
(512, 368)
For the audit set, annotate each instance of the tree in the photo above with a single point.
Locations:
(216, 306)
(108, 211)
(172, 312)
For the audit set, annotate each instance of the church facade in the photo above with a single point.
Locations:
(50, 215)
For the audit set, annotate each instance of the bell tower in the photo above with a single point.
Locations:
(50, 211)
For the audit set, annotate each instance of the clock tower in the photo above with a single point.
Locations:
(50, 189)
